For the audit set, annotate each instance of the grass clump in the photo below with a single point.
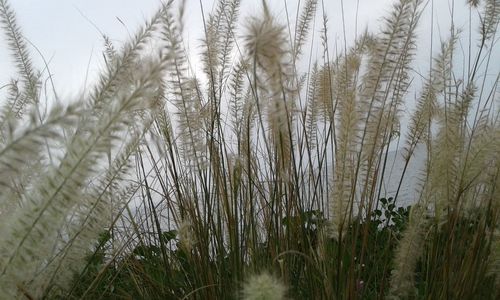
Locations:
(163, 183)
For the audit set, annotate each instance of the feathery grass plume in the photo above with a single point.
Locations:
(442, 66)
(446, 173)
(420, 120)
(90, 216)
(427, 105)
(26, 239)
(384, 85)
(110, 53)
(212, 41)
(20, 53)
(87, 224)
(473, 3)
(23, 145)
(122, 65)
(219, 41)
(409, 250)
(311, 110)
(303, 26)
(265, 41)
(236, 102)
(265, 44)
(321, 101)
(249, 116)
(21, 148)
(427, 109)
(187, 237)
(479, 163)
(263, 287)
(480, 168)
(348, 122)
(10, 109)
(326, 97)
(191, 112)
(25, 96)
(191, 117)
(419, 129)
(440, 76)
(491, 17)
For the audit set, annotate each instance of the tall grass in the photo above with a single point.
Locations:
(253, 178)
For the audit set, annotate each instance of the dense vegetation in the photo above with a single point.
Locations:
(252, 178)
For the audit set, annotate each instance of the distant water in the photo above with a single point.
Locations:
(412, 180)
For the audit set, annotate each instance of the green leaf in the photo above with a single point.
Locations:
(169, 235)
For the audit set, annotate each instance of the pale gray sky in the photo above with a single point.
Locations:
(61, 32)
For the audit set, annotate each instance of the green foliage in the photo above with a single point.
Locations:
(144, 266)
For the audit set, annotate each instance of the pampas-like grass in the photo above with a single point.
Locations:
(489, 23)
(42, 221)
(18, 47)
(460, 165)
(344, 180)
(46, 207)
(407, 255)
(265, 44)
(164, 183)
(384, 85)
(303, 26)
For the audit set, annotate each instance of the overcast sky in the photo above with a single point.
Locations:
(63, 32)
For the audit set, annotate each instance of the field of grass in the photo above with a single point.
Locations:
(255, 178)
